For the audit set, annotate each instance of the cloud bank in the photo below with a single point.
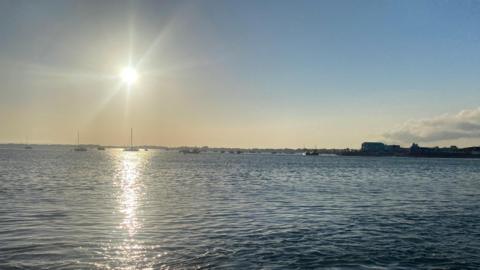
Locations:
(465, 124)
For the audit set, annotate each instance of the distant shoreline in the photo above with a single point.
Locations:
(368, 149)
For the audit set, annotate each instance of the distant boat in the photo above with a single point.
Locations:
(79, 148)
(190, 151)
(311, 153)
(101, 148)
(131, 148)
(27, 146)
(146, 149)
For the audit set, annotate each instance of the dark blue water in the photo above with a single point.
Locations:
(164, 210)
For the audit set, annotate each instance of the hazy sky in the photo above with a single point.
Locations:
(241, 73)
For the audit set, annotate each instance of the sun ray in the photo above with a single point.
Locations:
(65, 73)
(156, 44)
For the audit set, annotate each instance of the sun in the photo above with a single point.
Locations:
(128, 75)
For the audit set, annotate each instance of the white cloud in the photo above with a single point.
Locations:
(465, 124)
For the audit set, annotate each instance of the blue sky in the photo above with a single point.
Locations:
(240, 73)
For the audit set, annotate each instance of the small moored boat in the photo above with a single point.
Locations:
(79, 148)
(131, 148)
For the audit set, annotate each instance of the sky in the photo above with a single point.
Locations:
(241, 73)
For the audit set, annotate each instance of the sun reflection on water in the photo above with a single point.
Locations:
(130, 191)
(129, 188)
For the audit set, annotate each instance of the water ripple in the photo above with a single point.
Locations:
(163, 210)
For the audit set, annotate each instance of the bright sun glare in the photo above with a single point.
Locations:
(129, 75)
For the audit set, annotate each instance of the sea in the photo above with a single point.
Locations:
(159, 209)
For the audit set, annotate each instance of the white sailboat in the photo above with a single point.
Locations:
(131, 148)
(79, 148)
(27, 145)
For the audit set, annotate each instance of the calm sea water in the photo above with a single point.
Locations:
(155, 210)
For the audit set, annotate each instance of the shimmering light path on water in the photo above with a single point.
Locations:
(141, 210)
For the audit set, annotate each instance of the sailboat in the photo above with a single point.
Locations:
(310, 152)
(27, 145)
(79, 148)
(131, 148)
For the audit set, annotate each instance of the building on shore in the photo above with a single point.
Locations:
(449, 152)
(381, 149)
